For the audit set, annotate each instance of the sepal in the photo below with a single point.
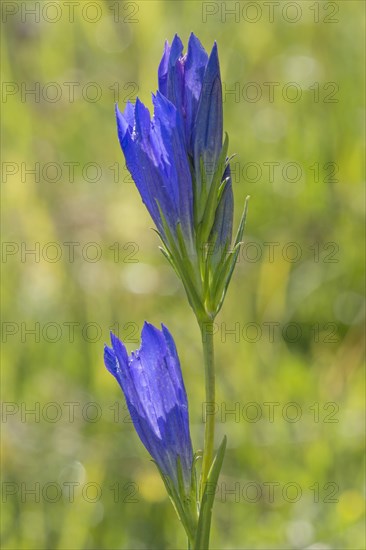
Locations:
(210, 198)
(184, 504)
(204, 521)
(226, 270)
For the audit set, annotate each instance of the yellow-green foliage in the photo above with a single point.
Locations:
(308, 367)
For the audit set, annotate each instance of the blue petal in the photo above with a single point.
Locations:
(223, 224)
(120, 351)
(170, 130)
(171, 75)
(129, 114)
(195, 65)
(142, 118)
(175, 84)
(176, 372)
(208, 127)
(122, 125)
(194, 70)
(110, 361)
(154, 357)
(175, 50)
(163, 69)
(126, 374)
(156, 158)
(144, 152)
(152, 382)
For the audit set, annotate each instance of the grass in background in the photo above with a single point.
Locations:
(313, 465)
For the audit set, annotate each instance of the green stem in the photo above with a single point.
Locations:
(208, 354)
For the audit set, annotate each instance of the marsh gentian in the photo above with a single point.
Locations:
(179, 162)
(155, 156)
(192, 82)
(152, 383)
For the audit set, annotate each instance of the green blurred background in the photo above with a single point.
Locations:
(293, 473)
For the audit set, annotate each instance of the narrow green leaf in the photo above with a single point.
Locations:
(178, 504)
(208, 217)
(180, 477)
(224, 276)
(240, 231)
(203, 195)
(181, 264)
(194, 490)
(204, 522)
(170, 260)
(222, 189)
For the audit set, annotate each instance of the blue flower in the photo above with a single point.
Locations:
(152, 383)
(155, 156)
(192, 82)
(179, 162)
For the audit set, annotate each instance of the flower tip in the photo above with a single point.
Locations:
(165, 57)
(194, 42)
(165, 330)
(213, 65)
(148, 328)
(193, 38)
(159, 97)
(176, 49)
(116, 343)
(122, 126)
(142, 117)
(118, 113)
(140, 107)
(110, 360)
(114, 339)
(214, 51)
